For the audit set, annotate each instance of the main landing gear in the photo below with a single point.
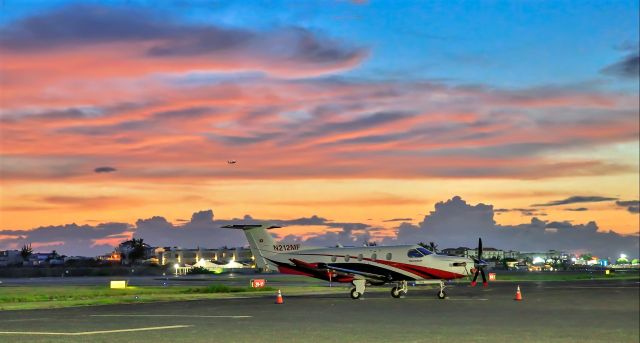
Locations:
(358, 290)
(400, 290)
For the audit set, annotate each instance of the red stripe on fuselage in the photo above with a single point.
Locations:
(424, 272)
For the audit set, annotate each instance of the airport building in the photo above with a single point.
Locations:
(548, 256)
(487, 253)
(10, 258)
(231, 257)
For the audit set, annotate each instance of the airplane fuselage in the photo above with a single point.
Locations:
(393, 263)
(361, 266)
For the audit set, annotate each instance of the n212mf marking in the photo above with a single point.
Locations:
(286, 247)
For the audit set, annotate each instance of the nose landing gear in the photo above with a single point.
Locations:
(441, 293)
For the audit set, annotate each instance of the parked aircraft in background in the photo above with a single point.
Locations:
(362, 266)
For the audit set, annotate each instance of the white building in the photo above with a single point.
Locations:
(548, 256)
(487, 253)
(10, 258)
(219, 257)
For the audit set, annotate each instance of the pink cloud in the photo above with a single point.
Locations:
(161, 100)
(280, 129)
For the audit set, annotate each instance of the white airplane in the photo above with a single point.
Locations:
(362, 266)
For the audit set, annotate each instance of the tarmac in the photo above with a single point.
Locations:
(577, 311)
(229, 279)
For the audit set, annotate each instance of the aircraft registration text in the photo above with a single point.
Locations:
(286, 247)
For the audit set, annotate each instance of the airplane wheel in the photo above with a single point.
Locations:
(355, 294)
(396, 292)
(442, 295)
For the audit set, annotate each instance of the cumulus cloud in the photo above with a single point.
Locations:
(452, 223)
(201, 230)
(575, 199)
(632, 206)
(104, 170)
(455, 223)
(71, 239)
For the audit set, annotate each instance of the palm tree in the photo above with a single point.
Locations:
(137, 249)
(26, 251)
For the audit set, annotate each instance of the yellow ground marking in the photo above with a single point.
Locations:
(93, 332)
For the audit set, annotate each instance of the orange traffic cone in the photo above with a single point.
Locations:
(518, 294)
(279, 298)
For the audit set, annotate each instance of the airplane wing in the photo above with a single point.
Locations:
(321, 270)
(357, 272)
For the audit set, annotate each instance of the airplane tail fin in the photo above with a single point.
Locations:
(261, 242)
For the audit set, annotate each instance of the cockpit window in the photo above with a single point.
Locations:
(414, 253)
(424, 251)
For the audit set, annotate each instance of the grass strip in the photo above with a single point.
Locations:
(551, 276)
(40, 297)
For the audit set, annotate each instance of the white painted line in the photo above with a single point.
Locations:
(446, 299)
(591, 287)
(23, 319)
(166, 315)
(85, 333)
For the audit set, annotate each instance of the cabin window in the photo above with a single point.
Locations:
(346, 258)
(359, 257)
(333, 258)
(413, 253)
(374, 256)
(389, 256)
(424, 251)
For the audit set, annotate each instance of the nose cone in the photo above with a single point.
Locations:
(471, 266)
(461, 266)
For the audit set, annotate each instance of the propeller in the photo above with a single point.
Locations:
(479, 265)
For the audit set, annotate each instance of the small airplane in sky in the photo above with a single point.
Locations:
(231, 162)
(362, 266)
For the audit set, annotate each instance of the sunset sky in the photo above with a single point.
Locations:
(365, 114)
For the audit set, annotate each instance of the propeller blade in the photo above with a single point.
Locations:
(484, 278)
(479, 248)
(475, 277)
